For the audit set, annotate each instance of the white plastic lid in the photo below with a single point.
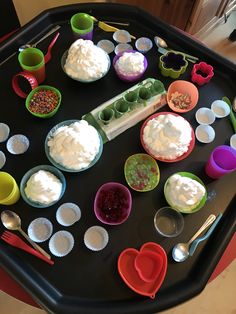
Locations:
(4, 132)
(67, 214)
(106, 45)
(205, 116)
(17, 144)
(2, 159)
(61, 243)
(96, 238)
(220, 108)
(205, 133)
(40, 229)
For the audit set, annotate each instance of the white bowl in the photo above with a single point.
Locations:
(220, 108)
(205, 133)
(205, 116)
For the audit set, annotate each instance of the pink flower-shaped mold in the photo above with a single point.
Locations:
(202, 73)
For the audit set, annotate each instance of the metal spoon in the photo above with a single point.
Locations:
(12, 221)
(162, 48)
(180, 251)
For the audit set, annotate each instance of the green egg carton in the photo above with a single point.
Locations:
(123, 111)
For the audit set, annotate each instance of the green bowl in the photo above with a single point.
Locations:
(198, 206)
(31, 95)
(141, 172)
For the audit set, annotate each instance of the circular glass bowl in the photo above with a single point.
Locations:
(168, 222)
(141, 172)
(198, 206)
(36, 90)
(190, 147)
(32, 171)
(63, 61)
(112, 204)
(59, 166)
(129, 78)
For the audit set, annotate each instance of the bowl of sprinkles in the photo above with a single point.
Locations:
(182, 96)
(141, 172)
(43, 101)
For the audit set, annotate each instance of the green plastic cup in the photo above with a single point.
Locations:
(32, 60)
(9, 190)
(82, 25)
(106, 115)
(121, 107)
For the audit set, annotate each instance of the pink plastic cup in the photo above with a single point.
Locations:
(222, 161)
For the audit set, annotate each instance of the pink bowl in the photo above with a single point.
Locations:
(128, 78)
(112, 204)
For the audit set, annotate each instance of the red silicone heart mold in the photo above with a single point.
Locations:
(143, 271)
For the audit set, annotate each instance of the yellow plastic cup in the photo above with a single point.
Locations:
(9, 190)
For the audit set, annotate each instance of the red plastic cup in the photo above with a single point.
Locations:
(222, 161)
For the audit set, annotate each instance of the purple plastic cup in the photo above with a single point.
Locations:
(128, 78)
(222, 161)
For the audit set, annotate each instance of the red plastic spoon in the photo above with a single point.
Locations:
(48, 55)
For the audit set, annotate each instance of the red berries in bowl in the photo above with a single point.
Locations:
(112, 204)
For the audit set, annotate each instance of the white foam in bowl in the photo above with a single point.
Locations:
(17, 144)
(2, 159)
(40, 229)
(67, 214)
(61, 243)
(96, 238)
(205, 134)
(4, 132)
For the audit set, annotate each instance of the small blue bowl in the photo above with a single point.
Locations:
(61, 167)
(29, 173)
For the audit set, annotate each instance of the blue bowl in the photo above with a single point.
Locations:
(29, 173)
(61, 167)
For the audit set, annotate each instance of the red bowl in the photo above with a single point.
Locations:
(191, 144)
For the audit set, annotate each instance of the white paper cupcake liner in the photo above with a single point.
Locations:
(106, 45)
(2, 159)
(61, 243)
(96, 238)
(67, 214)
(122, 47)
(40, 229)
(4, 132)
(17, 144)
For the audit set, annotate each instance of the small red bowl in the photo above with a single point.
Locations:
(128, 78)
(112, 204)
(191, 144)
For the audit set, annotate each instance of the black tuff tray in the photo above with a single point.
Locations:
(85, 281)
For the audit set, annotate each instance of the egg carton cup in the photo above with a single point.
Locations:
(111, 120)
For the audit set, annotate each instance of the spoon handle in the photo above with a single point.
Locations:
(206, 224)
(36, 246)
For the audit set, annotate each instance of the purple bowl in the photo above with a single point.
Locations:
(112, 204)
(130, 78)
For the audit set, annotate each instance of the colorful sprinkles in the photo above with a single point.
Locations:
(43, 101)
